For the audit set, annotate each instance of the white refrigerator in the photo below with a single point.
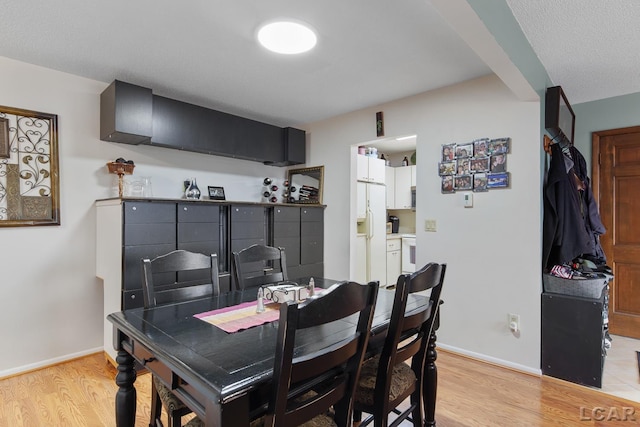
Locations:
(372, 233)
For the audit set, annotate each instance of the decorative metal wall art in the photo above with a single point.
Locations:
(29, 181)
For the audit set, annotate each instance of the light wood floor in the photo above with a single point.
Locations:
(470, 393)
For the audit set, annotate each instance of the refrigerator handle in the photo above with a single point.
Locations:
(371, 227)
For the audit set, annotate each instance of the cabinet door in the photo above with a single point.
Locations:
(286, 232)
(376, 170)
(403, 187)
(311, 235)
(390, 182)
(394, 266)
(362, 168)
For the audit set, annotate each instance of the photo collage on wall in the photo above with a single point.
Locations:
(479, 165)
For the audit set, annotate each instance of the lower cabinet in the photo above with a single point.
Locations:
(573, 332)
(130, 230)
(394, 260)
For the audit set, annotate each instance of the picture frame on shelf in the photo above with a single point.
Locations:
(216, 193)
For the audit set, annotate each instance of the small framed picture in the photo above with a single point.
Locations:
(480, 164)
(447, 184)
(498, 163)
(464, 150)
(498, 180)
(481, 147)
(216, 193)
(464, 167)
(480, 182)
(447, 168)
(463, 182)
(448, 152)
(499, 145)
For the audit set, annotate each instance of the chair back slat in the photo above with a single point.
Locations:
(309, 380)
(177, 261)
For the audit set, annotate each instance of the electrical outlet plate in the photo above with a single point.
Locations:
(430, 225)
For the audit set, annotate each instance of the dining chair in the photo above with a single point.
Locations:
(314, 382)
(259, 265)
(398, 371)
(156, 294)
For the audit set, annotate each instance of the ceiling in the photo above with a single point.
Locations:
(369, 51)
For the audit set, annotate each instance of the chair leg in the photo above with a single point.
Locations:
(175, 420)
(430, 382)
(156, 407)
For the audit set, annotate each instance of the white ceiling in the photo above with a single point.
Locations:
(369, 51)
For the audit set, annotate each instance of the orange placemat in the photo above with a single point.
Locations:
(241, 316)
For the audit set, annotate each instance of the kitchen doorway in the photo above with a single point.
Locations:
(385, 219)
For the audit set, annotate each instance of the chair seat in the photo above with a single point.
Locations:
(402, 379)
(318, 421)
(169, 400)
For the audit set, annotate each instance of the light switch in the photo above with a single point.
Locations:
(468, 200)
(430, 225)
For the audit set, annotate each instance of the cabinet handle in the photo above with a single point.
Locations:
(134, 208)
(185, 208)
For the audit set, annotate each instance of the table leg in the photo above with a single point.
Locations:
(431, 382)
(126, 395)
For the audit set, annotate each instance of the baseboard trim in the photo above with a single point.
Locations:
(46, 363)
(489, 359)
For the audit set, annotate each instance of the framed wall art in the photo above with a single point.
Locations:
(216, 193)
(29, 181)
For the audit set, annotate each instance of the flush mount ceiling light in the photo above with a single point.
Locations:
(287, 37)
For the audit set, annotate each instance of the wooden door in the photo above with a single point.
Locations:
(616, 187)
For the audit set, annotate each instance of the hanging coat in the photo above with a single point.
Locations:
(564, 235)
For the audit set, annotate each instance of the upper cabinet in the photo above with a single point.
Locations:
(405, 178)
(370, 169)
(133, 115)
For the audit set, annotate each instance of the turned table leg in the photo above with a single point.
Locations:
(126, 395)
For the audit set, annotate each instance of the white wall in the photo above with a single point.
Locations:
(50, 299)
(492, 250)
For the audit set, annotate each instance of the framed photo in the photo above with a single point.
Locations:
(448, 152)
(4, 138)
(216, 193)
(463, 182)
(447, 168)
(499, 163)
(464, 150)
(481, 147)
(480, 164)
(447, 184)
(463, 167)
(499, 145)
(498, 180)
(480, 182)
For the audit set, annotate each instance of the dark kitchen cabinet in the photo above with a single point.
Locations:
(131, 229)
(573, 338)
(125, 113)
(133, 115)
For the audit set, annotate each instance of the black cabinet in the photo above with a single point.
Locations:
(573, 332)
(132, 114)
(149, 231)
(286, 233)
(125, 113)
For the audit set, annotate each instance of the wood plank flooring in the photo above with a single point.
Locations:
(470, 394)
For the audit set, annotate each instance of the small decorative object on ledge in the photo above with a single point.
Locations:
(121, 167)
(216, 193)
(192, 191)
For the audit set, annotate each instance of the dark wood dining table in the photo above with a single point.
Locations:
(224, 378)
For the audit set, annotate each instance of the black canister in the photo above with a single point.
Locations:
(395, 223)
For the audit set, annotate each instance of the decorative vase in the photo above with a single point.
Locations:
(192, 191)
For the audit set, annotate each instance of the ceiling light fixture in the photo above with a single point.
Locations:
(287, 37)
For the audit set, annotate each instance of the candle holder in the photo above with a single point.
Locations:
(120, 169)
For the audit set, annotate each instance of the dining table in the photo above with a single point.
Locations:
(224, 376)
